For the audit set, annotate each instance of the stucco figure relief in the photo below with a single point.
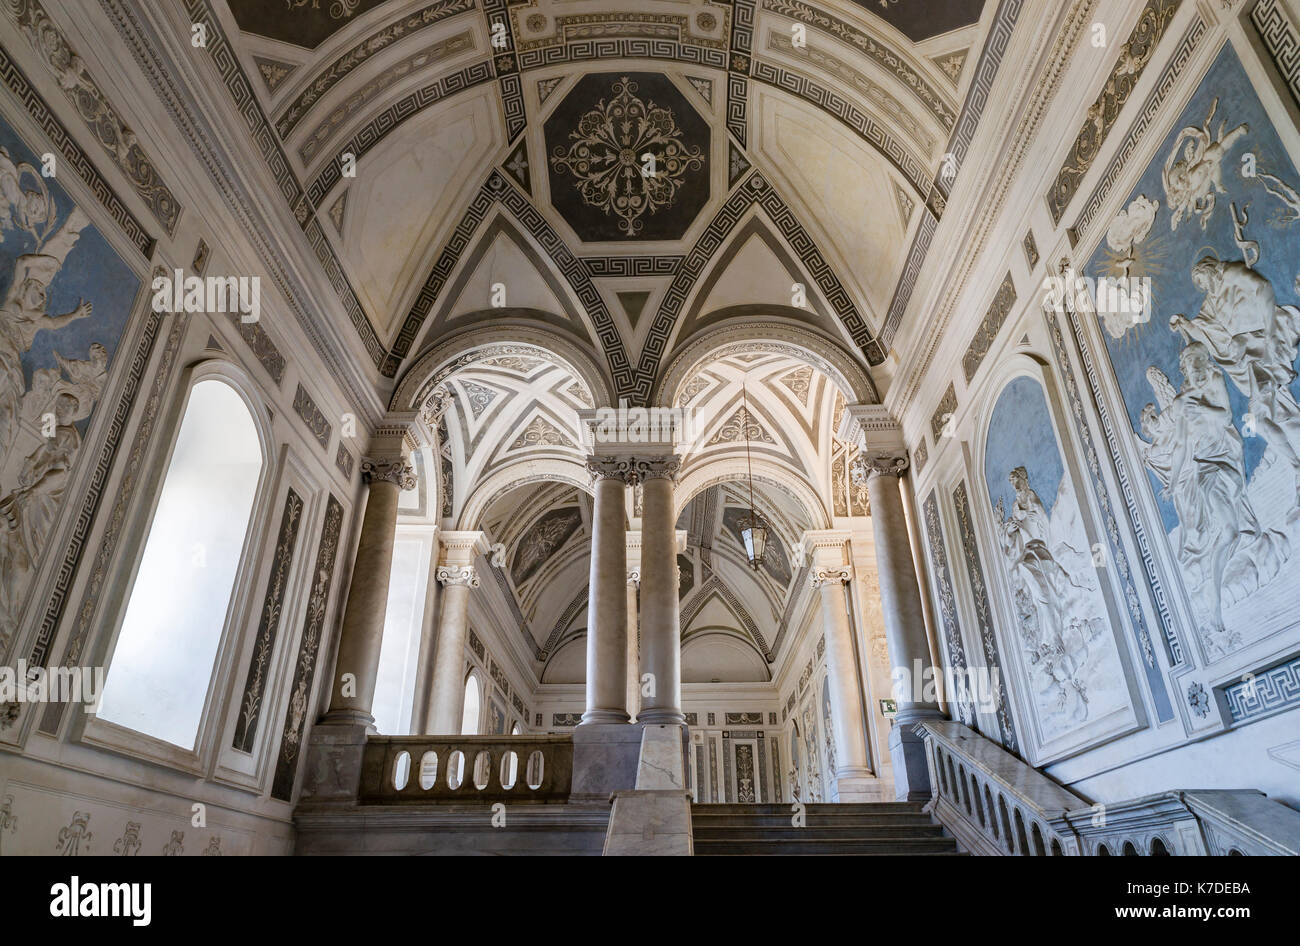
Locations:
(1072, 668)
(1240, 335)
(1193, 180)
(38, 439)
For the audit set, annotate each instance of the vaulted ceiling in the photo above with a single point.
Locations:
(626, 174)
(512, 464)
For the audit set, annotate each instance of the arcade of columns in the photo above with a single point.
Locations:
(623, 562)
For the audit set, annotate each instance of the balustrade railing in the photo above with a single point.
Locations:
(995, 804)
(466, 769)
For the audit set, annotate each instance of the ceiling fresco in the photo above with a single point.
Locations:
(627, 158)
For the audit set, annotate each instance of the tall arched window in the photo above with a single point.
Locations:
(162, 664)
(469, 721)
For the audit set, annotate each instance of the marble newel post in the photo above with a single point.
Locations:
(457, 575)
(829, 573)
(607, 594)
(661, 637)
(883, 461)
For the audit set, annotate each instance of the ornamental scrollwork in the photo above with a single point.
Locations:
(457, 575)
(394, 470)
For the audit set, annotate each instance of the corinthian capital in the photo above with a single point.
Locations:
(396, 470)
(824, 576)
(656, 467)
(883, 464)
(457, 575)
(612, 468)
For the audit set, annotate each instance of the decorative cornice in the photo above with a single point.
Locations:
(396, 470)
(457, 575)
(829, 575)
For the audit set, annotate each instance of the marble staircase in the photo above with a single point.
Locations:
(844, 829)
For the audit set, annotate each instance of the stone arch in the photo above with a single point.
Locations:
(763, 333)
(728, 469)
(466, 347)
(511, 476)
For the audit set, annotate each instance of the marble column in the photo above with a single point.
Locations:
(607, 595)
(357, 666)
(900, 598)
(661, 638)
(633, 644)
(457, 575)
(829, 573)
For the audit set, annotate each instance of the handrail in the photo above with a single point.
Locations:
(466, 769)
(996, 804)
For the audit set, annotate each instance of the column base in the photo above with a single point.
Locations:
(602, 717)
(907, 751)
(662, 763)
(856, 787)
(605, 757)
(661, 717)
(332, 760)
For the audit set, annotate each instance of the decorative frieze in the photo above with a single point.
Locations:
(984, 613)
(306, 408)
(304, 674)
(250, 705)
(942, 415)
(343, 460)
(992, 322)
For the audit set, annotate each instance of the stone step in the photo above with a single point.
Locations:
(782, 835)
(812, 821)
(750, 847)
(878, 807)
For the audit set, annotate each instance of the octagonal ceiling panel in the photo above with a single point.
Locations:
(306, 23)
(627, 158)
(920, 20)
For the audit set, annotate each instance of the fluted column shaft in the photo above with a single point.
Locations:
(846, 707)
(607, 601)
(661, 639)
(357, 667)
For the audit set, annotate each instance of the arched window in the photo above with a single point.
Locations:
(469, 721)
(162, 663)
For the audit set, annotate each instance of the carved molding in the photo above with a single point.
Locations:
(457, 575)
(396, 470)
(824, 575)
(878, 464)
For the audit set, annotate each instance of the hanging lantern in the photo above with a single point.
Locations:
(753, 529)
(753, 532)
